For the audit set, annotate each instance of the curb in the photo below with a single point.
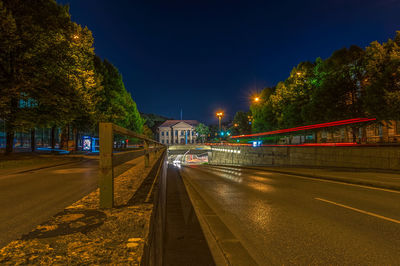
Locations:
(222, 253)
(314, 176)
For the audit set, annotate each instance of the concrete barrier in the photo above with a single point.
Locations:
(154, 248)
(384, 158)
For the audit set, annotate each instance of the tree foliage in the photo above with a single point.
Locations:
(202, 131)
(352, 82)
(48, 75)
(241, 123)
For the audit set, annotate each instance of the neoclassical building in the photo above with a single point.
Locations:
(178, 132)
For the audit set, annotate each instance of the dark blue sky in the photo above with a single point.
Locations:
(205, 55)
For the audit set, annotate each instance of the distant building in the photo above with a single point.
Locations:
(178, 132)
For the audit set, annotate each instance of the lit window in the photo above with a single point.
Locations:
(162, 133)
(167, 133)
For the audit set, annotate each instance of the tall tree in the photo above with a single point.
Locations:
(48, 66)
(116, 104)
(338, 87)
(382, 79)
(202, 131)
(242, 123)
(291, 95)
(264, 116)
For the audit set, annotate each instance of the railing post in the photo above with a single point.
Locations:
(146, 154)
(106, 182)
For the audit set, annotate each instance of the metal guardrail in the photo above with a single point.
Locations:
(108, 159)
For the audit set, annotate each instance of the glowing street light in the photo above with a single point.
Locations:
(219, 114)
(256, 99)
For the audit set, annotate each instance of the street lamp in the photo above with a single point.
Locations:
(219, 114)
(256, 99)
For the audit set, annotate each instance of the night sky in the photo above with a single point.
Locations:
(205, 55)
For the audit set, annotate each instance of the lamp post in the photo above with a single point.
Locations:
(219, 115)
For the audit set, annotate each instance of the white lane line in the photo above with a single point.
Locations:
(360, 211)
(343, 183)
(333, 181)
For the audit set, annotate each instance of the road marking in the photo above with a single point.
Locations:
(361, 211)
(321, 180)
(341, 182)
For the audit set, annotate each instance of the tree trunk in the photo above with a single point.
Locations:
(9, 141)
(76, 139)
(64, 138)
(355, 135)
(53, 137)
(364, 135)
(33, 140)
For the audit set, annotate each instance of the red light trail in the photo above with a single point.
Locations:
(329, 124)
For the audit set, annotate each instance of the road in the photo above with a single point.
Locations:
(30, 198)
(282, 219)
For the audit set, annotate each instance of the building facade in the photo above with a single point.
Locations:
(173, 132)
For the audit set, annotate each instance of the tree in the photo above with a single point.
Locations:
(338, 94)
(147, 132)
(153, 120)
(241, 123)
(46, 66)
(115, 103)
(264, 117)
(382, 79)
(202, 131)
(292, 94)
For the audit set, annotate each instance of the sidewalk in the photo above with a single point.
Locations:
(85, 234)
(374, 178)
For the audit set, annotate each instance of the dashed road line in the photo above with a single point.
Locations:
(360, 211)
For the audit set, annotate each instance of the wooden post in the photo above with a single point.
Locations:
(146, 154)
(106, 182)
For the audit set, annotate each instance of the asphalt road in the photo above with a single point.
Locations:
(281, 219)
(30, 198)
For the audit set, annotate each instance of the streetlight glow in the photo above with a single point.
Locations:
(219, 114)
